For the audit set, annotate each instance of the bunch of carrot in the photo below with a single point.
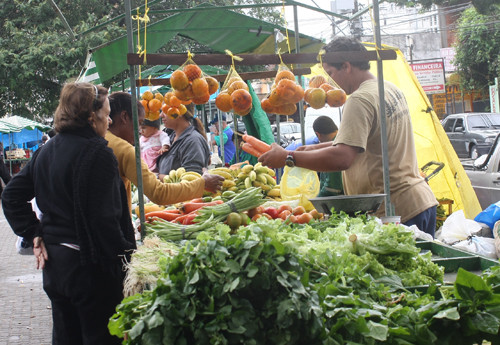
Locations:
(254, 146)
(185, 215)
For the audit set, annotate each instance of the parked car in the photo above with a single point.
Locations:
(484, 175)
(472, 134)
(290, 130)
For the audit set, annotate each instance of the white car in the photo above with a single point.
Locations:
(289, 130)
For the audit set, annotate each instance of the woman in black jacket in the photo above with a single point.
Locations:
(85, 231)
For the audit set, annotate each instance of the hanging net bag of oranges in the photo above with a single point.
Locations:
(285, 93)
(152, 103)
(191, 84)
(235, 95)
(322, 89)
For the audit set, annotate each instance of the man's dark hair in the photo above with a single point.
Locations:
(324, 125)
(347, 44)
(121, 101)
(51, 133)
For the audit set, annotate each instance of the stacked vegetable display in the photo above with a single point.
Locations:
(342, 281)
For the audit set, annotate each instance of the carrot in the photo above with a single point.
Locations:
(193, 206)
(173, 210)
(169, 216)
(189, 218)
(251, 150)
(186, 218)
(259, 145)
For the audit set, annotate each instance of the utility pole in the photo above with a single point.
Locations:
(356, 29)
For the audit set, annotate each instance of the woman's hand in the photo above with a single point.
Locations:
(274, 158)
(213, 183)
(40, 252)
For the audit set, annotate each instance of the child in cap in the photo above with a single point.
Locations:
(154, 142)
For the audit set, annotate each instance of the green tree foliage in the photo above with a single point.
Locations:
(478, 49)
(38, 54)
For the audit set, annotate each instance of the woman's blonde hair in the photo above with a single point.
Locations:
(76, 104)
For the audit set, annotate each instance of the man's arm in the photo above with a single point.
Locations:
(314, 146)
(330, 158)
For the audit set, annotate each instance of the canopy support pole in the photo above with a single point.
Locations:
(135, 117)
(389, 208)
(297, 51)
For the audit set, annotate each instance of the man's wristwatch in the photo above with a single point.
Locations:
(290, 159)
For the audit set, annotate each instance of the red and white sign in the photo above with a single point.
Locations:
(448, 54)
(431, 76)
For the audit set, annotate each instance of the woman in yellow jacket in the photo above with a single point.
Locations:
(120, 137)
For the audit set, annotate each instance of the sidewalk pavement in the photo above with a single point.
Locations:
(25, 313)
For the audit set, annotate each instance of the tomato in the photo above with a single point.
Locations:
(284, 215)
(304, 218)
(298, 210)
(293, 219)
(273, 212)
(256, 216)
(233, 220)
(245, 220)
(257, 210)
(315, 214)
(266, 216)
(284, 208)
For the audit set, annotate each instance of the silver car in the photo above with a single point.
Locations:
(472, 134)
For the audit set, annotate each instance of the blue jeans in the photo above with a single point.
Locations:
(425, 221)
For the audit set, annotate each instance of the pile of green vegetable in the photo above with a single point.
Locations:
(343, 281)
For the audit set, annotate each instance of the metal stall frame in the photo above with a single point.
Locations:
(252, 59)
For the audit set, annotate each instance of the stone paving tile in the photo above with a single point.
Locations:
(25, 314)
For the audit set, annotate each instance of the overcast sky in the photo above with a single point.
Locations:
(313, 23)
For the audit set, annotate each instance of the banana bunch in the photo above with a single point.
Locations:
(229, 183)
(179, 175)
(256, 175)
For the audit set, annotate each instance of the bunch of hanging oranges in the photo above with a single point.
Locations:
(189, 84)
(320, 92)
(285, 93)
(235, 97)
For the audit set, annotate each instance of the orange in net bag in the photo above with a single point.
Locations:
(323, 89)
(235, 95)
(152, 103)
(285, 93)
(173, 106)
(191, 84)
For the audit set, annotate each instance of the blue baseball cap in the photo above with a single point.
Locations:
(216, 119)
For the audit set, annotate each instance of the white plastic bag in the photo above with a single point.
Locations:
(496, 236)
(478, 245)
(457, 228)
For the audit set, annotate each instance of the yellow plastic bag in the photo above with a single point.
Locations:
(299, 184)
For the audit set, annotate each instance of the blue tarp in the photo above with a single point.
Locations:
(26, 139)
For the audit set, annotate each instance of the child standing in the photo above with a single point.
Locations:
(154, 142)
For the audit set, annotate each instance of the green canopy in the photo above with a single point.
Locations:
(219, 29)
(17, 123)
(6, 127)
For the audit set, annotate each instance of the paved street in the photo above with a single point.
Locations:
(25, 314)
